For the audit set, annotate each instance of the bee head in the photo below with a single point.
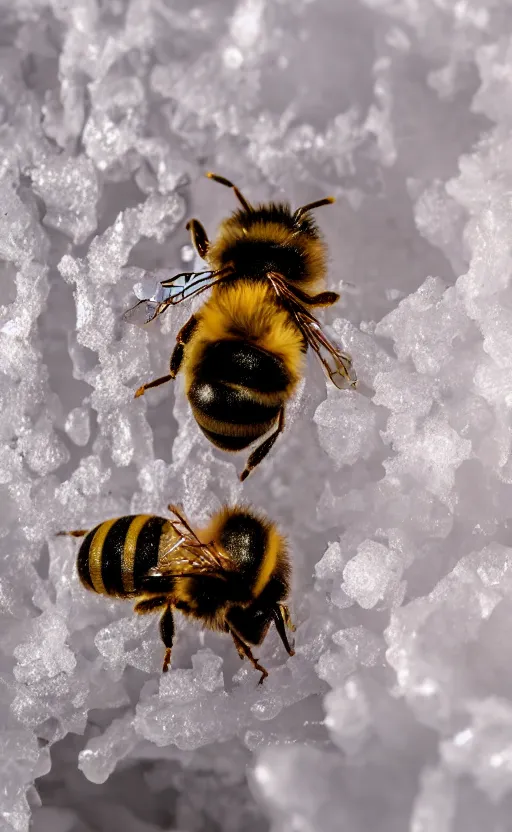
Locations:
(253, 545)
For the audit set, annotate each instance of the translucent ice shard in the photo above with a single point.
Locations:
(103, 753)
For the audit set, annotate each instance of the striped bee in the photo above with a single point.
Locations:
(242, 353)
(233, 576)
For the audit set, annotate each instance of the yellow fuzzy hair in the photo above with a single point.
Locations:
(247, 310)
(276, 555)
(313, 249)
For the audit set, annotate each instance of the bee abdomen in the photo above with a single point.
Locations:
(82, 563)
(232, 441)
(231, 417)
(115, 557)
(218, 401)
(239, 362)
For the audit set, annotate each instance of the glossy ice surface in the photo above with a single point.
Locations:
(395, 714)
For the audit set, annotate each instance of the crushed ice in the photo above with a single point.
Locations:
(396, 711)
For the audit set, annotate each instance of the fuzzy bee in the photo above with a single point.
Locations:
(233, 576)
(243, 352)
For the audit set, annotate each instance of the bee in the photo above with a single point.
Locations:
(233, 576)
(243, 352)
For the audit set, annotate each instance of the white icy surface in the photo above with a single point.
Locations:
(395, 714)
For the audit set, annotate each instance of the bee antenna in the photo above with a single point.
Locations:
(74, 533)
(299, 213)
(223, 181)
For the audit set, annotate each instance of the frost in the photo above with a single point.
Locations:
(395, 713)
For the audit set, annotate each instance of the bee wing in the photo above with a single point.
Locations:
(171, 292)
(337, 363)
(143, 312)
(186, 558)
(186, 285)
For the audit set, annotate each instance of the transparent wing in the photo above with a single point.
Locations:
(188, 562)
(337, 363)
(185, 285)
(187, 556)
(171, 292)
(143, 312)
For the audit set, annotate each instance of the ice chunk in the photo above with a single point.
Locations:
(334, 667)
(360, 644)
(89, 479)
(45, 654)
(316, 803)
(193, 709)
(99, 759)
(78, 426)
(246, 23)
(424, 326)
(69, 188)
(374, 575)
(346, 427)
(112, 642)
(21, 237)
(42, 448)
(53, 708)
(348, 715)
(156, 217)
(331, 562)
(493, 95)
(20, 760)
(430, 455)
(484, 747)
(441, 220)
(403, 392)
(115, 123)
(428, 638)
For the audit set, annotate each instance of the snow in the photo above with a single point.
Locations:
(395, 714)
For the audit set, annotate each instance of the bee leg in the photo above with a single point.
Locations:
(262, 450)
(74, 533)
(222, 181)
(324, 299)
(167, 635)
(150, 604)
(239, 650)
(299, 213)
(156, 383)
(182, 339)
(279, 621)
(199, 237)
(285, 612)
(244, 651)
(166, 628)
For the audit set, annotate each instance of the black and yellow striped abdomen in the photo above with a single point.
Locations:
(236, 392)
(116, 556)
